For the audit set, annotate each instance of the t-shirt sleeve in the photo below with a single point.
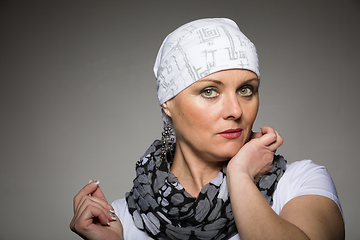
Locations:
(121, 212)
(130, 231)
(119, 207)
(307, 178)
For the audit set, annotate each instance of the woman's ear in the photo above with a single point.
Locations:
(165, 107)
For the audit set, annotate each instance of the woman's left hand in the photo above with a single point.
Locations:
(94, 217)
(255, 158)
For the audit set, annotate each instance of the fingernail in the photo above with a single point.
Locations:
(113, 217)
(108, 223)
(93, 181)
(111, 209)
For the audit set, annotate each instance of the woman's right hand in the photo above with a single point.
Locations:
(255, 157)
(94, 217)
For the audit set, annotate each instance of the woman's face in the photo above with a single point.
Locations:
(213, 117)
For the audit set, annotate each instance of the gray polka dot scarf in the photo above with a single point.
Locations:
(160, 206)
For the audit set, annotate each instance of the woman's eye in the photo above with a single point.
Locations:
(246, 91)
(209, 93)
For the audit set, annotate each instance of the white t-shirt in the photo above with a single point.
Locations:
(300, 178)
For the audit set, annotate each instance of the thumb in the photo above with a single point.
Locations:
(256, 135)
(97, 192)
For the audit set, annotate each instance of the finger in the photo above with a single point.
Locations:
(97, 196)
(279, 140)
(256, 135)
(85, 191)
(269, 137)
(86, 218)
(98, 203)
(98, 193)
(267, 129)
(277, 143)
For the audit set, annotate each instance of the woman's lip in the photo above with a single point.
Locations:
(231, 133)
(232, 130)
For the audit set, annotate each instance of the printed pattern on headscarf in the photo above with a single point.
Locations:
(200, 48)
(160, 206)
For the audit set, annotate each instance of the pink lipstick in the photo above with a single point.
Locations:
(231, 133)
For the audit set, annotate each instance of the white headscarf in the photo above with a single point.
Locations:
(198, 49)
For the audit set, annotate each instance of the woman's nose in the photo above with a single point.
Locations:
(231, 107)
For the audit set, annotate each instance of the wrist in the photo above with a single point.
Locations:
(238, 172)
(237, 179)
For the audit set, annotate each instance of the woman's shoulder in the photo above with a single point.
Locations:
(119, 206)
(303, 164)
(304, 178)
(120, 203)
(121, 211)
(307, 172)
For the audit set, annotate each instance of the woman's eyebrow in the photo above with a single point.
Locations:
(221, 83)
(252, 79)
(211, 80)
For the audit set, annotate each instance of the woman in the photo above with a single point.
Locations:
(208, 79)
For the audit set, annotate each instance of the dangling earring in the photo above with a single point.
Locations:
(167, 139)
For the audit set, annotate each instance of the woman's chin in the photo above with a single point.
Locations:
(227, 153)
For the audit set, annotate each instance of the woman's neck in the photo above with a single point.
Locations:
(192, 171)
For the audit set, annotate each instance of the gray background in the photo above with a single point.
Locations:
(78, 96)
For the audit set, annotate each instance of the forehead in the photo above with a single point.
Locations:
(238, 75)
